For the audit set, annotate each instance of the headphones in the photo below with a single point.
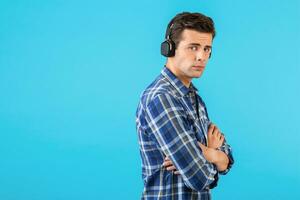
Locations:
(167, 47)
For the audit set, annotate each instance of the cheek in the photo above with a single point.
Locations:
(184, 55)
(189, 56)
(187, 59)
(182, 61)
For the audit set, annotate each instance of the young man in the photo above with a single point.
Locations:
(182, 151)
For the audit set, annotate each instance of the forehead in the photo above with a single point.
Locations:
(192, 36)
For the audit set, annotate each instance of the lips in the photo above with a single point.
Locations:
(198, 67)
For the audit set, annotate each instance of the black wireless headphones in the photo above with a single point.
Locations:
(167, 47)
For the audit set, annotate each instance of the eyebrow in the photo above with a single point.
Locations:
(197, 44)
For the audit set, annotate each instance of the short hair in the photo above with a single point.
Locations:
(191, 21)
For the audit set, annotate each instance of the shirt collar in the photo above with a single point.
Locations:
(182, 89)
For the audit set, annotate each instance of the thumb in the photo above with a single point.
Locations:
(202, 146)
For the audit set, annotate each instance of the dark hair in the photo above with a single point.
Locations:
(192, 21)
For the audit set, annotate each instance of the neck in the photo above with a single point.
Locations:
(186, 81)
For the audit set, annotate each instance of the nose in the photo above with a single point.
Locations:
(200, 55)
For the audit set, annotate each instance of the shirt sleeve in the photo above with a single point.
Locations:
(174, 135)
(226, 148)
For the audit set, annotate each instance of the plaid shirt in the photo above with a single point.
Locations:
(168, 125)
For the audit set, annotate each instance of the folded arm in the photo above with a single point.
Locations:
(217, 151)
(226, 149)
(168, 123)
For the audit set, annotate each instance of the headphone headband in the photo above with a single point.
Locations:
(168, 32)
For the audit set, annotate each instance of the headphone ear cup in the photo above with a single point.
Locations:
(167, 48)
(164, 48)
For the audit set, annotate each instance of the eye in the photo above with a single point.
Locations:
(207, 49)
(193, 48)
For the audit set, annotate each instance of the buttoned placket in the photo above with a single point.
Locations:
(195, 103)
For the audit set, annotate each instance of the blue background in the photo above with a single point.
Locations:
(71, 73)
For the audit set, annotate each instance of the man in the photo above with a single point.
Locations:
(182, 150)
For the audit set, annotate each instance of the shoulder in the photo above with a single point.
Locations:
(159, 90)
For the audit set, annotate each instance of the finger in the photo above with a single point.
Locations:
(202, 147)
(171, 168)
(215, 131)
(218, 134)
(176, 172)
(223, 135)
(167, 163)
(167, 158)
(222, 138)
(210, 128)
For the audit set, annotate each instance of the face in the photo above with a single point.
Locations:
(191, 55)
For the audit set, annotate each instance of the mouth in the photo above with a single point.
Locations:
(198, 67)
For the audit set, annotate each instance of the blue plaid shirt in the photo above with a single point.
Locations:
(168, 125)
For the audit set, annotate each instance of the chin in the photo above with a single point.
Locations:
(197, 75)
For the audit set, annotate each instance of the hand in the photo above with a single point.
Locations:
(209, 154)
(215, 138)
(169, 165)
(219, 158)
